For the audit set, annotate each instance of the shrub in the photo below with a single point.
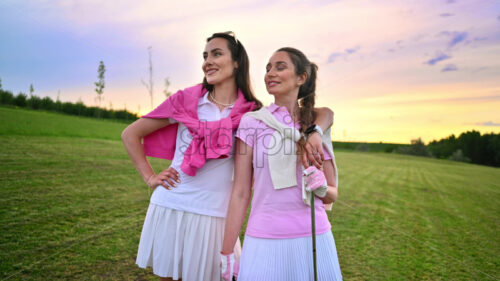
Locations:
(20, 100)
(458, 155)
(417, 148)
(47, 103)
(362, 147)
(34, 102)
(6, 97)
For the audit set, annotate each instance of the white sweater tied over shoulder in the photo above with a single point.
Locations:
(282, 155)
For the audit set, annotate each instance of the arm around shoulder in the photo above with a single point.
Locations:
(324, 117)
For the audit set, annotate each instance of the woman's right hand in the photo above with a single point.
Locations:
(167, 178)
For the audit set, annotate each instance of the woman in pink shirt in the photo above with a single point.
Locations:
(277, 243)
(183, 230)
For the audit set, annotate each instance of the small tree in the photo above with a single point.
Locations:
(58, 104)
(166, 91)
(0, 83)
(100, 86)
(80, 106)
(31, 99)
(149, 85)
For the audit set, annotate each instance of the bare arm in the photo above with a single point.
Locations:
(240, 197)
(324, 117)
(332, 192)
(314, 147)
(131, 138)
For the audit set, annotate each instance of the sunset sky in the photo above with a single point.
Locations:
(391, 70)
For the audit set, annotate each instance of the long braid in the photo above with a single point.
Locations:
(307, 92)
(306, 103)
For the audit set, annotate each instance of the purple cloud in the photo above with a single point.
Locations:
(352, 50)
(333, 57)
(439, 57)
(445, 15)
(449, 67)
(488, 123)
(457, 37)
(349, 51)
(451, 1)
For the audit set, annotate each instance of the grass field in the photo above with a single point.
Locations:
(72, 207)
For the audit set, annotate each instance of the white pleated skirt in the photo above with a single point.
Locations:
(289, 259)
(180, 244)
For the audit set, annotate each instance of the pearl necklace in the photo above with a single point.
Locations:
(219, 103)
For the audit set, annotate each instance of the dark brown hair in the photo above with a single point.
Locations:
(307, 91)
(242, 73)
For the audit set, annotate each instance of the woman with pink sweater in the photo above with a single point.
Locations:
(183, 230)
(277, 243)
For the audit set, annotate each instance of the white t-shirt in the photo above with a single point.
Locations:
(208, 192)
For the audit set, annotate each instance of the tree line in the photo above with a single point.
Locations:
(79, 108)
(470, 147)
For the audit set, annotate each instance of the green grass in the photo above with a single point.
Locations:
(72, 207)
(16, 121)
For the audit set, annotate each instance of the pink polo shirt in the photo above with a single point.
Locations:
(276, 213)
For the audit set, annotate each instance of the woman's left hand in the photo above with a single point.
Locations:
(229, 267)
(313, 151)
(315, 181)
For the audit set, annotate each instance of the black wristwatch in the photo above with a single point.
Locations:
(313, 128)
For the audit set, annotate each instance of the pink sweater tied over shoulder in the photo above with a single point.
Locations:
(211, 139)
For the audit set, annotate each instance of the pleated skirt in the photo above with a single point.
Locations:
(289, 259)
(180, 244)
